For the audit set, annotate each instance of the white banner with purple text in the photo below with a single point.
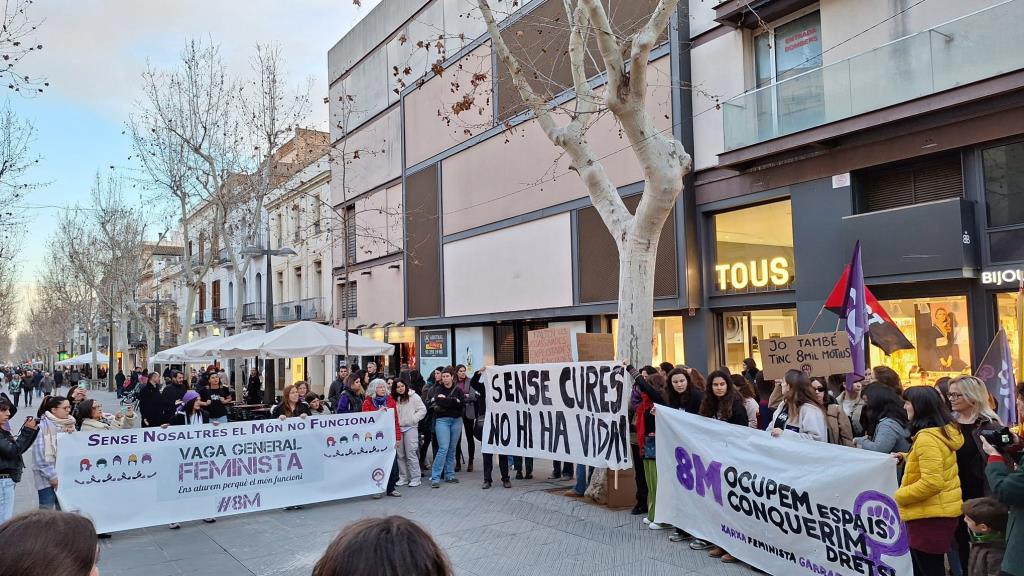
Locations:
(784, 505)
(149, 476)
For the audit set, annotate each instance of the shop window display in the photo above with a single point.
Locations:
(667, 344)
(939, 330)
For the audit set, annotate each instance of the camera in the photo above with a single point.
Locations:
(999, 439)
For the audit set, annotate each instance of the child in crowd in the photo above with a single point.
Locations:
(986, 519)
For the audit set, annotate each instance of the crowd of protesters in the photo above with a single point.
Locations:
(958, 494)
(960, 497)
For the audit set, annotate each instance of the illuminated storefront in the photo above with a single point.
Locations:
(754, 249)
(742, 333)
(940, 330)
(666, 343)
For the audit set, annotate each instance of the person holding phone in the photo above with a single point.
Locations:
(11, 462)
(54, 420)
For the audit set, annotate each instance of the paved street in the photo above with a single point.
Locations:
(530, 529)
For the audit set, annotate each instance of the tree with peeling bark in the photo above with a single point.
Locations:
(663, 159)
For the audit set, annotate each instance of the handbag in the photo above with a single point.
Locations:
(649, 449)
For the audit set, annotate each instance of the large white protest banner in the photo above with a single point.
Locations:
(145, 477)
(571, 412)
(788, 506)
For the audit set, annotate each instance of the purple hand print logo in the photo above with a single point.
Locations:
(885, 534)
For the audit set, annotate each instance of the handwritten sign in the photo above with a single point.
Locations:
(594, 347)
(550, 345)
(816, 354)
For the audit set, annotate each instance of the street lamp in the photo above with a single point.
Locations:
(267, 252)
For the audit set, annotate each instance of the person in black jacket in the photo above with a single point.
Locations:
(172, 394)
(478, 386)
(337, 387)
(722, 401)
(448, 402)
(11, 449)
(679, 394)
(119, 379)
(151, 406)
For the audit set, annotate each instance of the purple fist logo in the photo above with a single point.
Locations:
(884, 533)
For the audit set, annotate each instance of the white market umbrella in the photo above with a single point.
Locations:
(84, 359)
(312, 339)
(241, 345)
(180, 354)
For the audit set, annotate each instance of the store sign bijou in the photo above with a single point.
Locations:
(1006, 276)
(753, 273)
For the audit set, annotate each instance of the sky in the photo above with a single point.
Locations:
(94, 52)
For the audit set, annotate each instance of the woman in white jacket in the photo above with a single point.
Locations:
(800, 414)
(89, 417)
(411, 410)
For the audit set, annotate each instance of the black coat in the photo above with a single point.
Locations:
(12, 448)
(451, 406)
(169, 396)
(151, 406)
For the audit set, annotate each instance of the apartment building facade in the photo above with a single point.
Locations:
(811, 125)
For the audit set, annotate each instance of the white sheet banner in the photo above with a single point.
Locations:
(150, 476)
(785, 505)
(571, 412)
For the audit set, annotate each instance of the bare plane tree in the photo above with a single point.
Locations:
(17, 41)
(664, 161)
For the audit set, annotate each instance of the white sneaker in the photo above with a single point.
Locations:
(401, 483)
(414, 483)
(656, 526)
(646, 521)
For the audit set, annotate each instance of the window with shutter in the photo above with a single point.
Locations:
(906, 184)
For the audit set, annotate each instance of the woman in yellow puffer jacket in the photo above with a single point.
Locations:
(929, 495)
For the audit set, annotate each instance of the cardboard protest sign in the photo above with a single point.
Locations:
(594, 347)
(550, 345)
(572, 412)
(783, 505)
(145, 477)
(816, 354)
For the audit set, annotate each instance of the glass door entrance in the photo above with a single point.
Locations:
(743, 331)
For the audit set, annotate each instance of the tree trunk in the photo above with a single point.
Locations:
(637, 254)
(239, 310)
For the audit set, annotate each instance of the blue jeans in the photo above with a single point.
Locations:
(447, 431)
(48, 499)
(6, 499)
(583, 475)
(219, 420)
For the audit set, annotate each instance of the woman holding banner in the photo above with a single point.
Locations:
(291, 405)
(680, 395)
(723, 402)
(90, 417)
(929, 497)
(54, 419)
(840, 430)
(447, 401)
(381, 400)
(800, 413)
(886, 421)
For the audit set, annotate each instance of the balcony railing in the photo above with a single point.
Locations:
(254, 312)
(224, 315)
(203, 316)
(306, 309)
(974, 47)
